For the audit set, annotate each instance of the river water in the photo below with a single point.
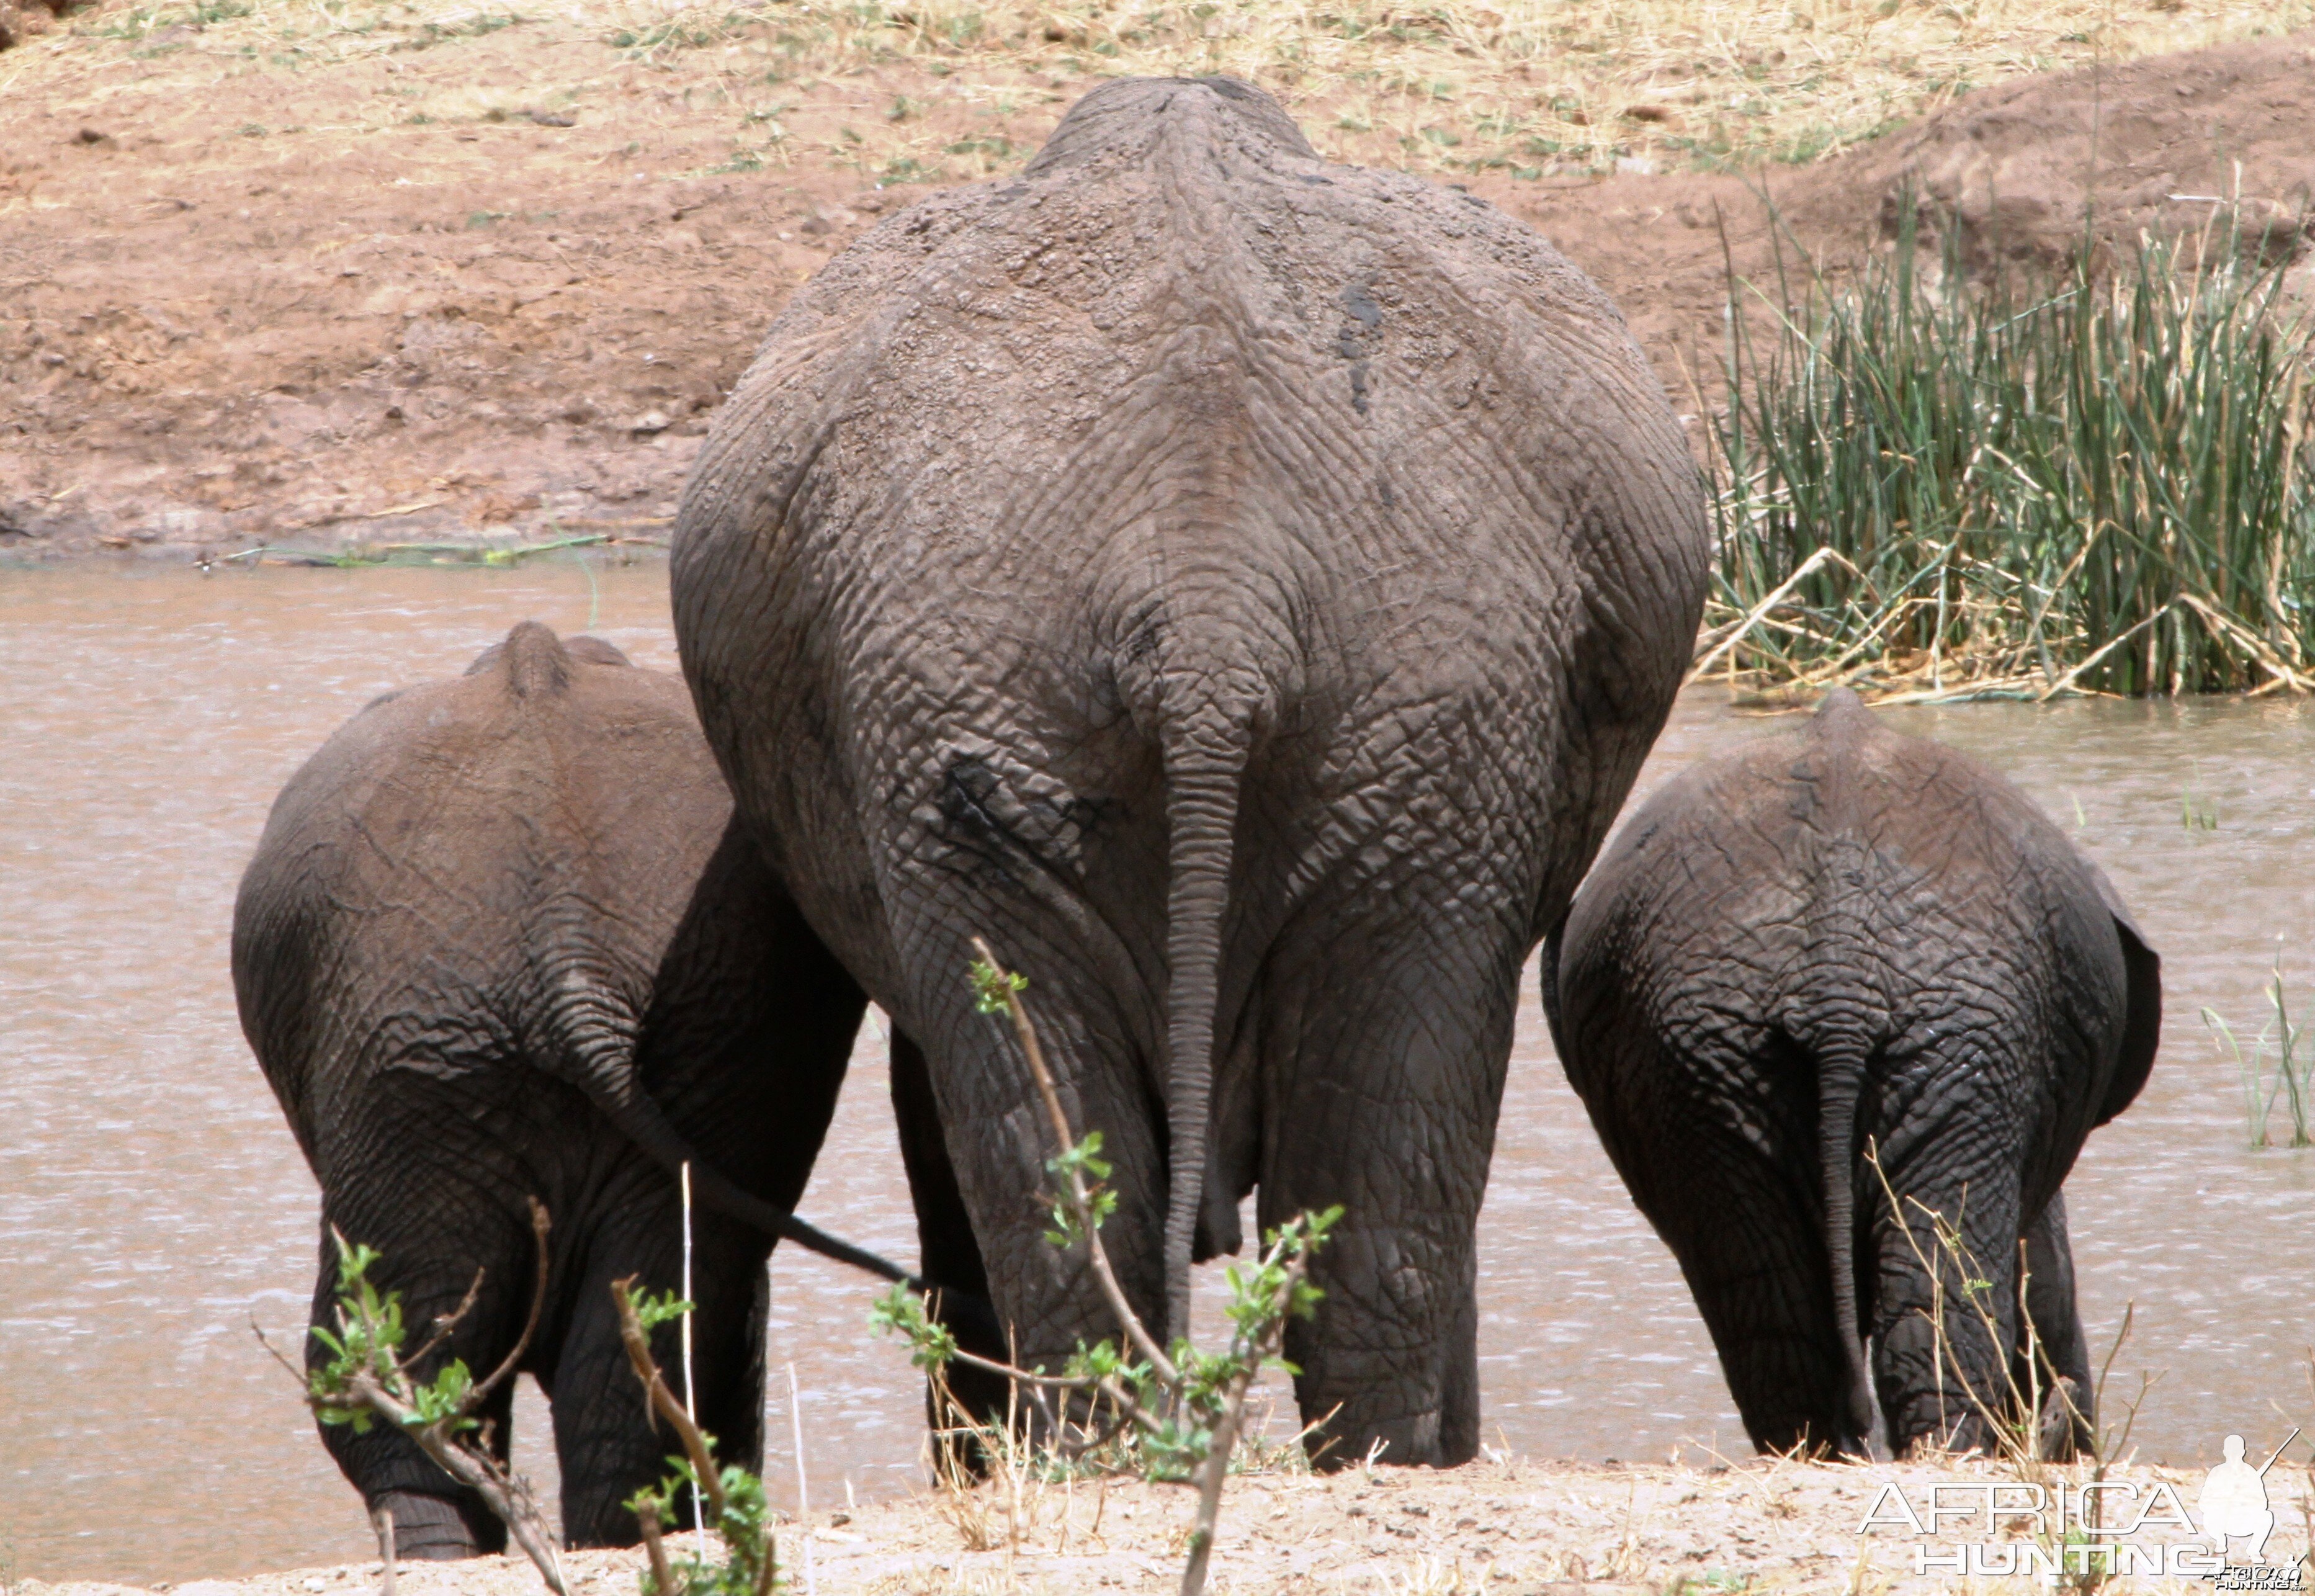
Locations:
(152, 1201)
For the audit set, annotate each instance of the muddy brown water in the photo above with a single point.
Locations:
(152, 1201)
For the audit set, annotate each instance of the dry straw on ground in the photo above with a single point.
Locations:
(927, 90)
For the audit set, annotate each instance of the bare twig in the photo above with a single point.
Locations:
(537, 1302)
(266, 1342)
(444, 1324)
(1744, 623)
(2098, 1392)
(804, 1492)
(1080, 1201)
(655, 1549)
(382, 1521)
(662, 1400)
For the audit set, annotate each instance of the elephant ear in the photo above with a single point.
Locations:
(2142, 1027)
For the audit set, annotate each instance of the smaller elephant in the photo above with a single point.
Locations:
(497, 943)
(1835, 967)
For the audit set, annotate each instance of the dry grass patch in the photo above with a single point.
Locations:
(945, 90)
(1536, 85)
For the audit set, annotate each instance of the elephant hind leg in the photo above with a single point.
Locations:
(430, 1528)
(1459, 1394)
(1944, 1341)
(950, 1254)
(606, 1443)
(435, 1518)
(2068, 1419)
(1730, 1179)
(1383, 1058)
(1750, 1240)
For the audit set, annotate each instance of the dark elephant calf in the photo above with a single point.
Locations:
(1834, 947)
(497, 944)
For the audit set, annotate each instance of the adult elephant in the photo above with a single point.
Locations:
(1242, 588)
(1835, 948)
(500, 941)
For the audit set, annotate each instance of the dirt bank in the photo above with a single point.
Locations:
(1508, 1529)
(353, 273)
(2026, 172)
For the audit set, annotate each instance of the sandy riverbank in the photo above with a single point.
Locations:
(1507, 1528)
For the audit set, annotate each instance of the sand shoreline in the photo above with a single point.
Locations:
(1512, 1527)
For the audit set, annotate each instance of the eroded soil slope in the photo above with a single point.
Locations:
(483, 277)
(2025, 172)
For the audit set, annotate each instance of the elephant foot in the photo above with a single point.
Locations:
(437, 1529)
(606, 1522)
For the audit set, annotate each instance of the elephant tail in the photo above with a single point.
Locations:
(593, 1045)
(1205, 767)
(642, 1123)
(1840, 1082)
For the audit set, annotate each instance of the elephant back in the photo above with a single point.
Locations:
(450, 847)
(1848, 889)
(1317, 445)
(1116, 125)
(1177, 265)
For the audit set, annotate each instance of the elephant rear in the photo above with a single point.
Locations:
(1242, 587)
(1835, 967)
(469, 873)
(491, 924)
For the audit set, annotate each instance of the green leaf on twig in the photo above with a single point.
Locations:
(651, 1311)
(901, 1312)
(994, 990)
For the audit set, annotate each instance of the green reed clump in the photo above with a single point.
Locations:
(2097, 480)
(2278, 1066)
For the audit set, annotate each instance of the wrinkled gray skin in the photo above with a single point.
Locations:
(1243, 588)
(494, 924)
(1839, 939)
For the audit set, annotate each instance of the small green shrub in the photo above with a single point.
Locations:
(366, 1345)
(1175, 1414)
(368, 1377)
(737, 1508)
